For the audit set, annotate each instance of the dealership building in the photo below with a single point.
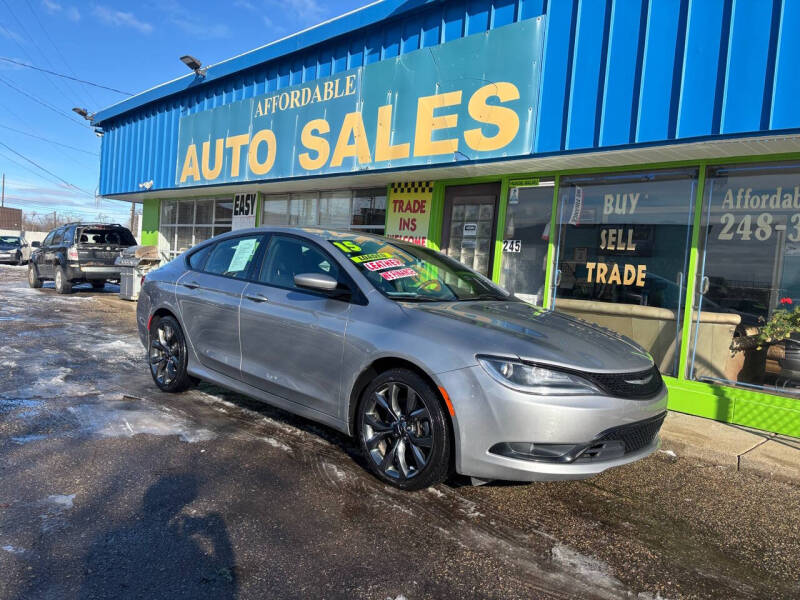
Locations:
(635, 164)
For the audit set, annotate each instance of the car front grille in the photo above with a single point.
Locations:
(634, 436)
(639, 385)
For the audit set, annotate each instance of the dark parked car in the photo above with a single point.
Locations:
(11, 249)
(79, 253)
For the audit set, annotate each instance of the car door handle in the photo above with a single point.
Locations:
(191, 285)
(257, 298)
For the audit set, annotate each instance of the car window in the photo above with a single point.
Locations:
(198, 258)
(57, 237)
(49, 239)
(288, 256)
(106, 236)
(10, 240)
(233, 257)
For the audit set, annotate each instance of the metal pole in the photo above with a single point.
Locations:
(3, 197)
(133, 205)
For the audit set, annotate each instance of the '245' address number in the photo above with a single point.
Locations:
(512, 245)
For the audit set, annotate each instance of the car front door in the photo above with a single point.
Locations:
(293, 338)
(208, 296)
(47, 257)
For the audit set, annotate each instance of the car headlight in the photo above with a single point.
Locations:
(533, 379)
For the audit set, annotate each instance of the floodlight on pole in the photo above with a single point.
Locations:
(83, 112)
(194, 64)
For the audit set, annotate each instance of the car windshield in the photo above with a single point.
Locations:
(8, 240)
(412, 273)
(102, 236)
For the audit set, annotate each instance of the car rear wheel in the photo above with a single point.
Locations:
(63, 285)
(403, 430)
(33, 277)
(167, 356)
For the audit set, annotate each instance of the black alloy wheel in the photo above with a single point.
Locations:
(167, 356)
(62, 284)
(403, 431)
(33, 277)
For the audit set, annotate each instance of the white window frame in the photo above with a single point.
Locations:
(354, 192)
(168, 232)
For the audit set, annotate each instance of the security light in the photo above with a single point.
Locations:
(194, 64)
(83, 112)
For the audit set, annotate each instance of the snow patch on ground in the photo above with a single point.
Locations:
(13, 550)
(117, 347)
(8, 364)
(335, 471)
(118, 418)
(669, 453)
(63, 501)
(276, 444)
(591, 569)
(52, 384)
(436, 492)
(26, 439)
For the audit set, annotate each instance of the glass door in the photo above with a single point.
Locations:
(470, 222)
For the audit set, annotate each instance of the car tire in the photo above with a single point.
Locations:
(33, 277)
(167, 355)
(62, 284)
(403, 431)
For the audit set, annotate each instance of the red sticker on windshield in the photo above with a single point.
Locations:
(377, 265)
(398, 274)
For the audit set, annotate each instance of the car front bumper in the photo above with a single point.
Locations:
(8, 256)
(488, 413)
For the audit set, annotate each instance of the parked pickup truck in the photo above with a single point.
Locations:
(79, 253)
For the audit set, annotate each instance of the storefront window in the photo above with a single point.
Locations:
(363, 209)
(749, 279)
(623, 255)
(185, 223)
(525, 241)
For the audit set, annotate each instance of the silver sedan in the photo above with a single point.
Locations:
(430, 365)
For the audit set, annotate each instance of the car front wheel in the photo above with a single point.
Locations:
(167, 356)
(403, 430)
(33, 277)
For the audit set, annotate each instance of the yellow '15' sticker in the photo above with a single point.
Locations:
(347, 246)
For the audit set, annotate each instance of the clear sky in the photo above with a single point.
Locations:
(126, 45)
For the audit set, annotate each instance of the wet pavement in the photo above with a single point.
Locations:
(111, 489)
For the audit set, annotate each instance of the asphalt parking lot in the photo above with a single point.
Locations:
(111, 489)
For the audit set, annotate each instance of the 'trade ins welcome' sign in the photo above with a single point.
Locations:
(469, 99)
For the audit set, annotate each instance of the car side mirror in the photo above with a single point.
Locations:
(36, 245)
(316, 281)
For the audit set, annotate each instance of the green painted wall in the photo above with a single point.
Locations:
(151, 210)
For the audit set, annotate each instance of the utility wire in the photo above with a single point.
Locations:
(44, 139)
(64, 90)
(97, 85)
(86, 93)
(43, 103)
(38, 166)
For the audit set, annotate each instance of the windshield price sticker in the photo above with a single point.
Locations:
(512, 245)
(398, 274)
(388, 263)
(370, 257)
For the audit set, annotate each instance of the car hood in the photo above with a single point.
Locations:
(7, 247)
(535, 334)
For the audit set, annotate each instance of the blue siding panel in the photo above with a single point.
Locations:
(531, 8)
(747, 65)
(554, 97)
(621, 69)
(655, 96)
(785, 111)
(477, 16)
(585, 82)
(453, 22)
(431, 27)
(410, 41)
(503, 12)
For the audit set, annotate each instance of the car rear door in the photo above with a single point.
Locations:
(292, 339)
(209, 297)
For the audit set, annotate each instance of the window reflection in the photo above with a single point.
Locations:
(623, 255)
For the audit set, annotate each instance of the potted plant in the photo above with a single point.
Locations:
(784, 326)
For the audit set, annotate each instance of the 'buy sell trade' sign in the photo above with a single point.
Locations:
(470, 99)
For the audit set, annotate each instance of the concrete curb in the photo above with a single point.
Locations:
(742, 449)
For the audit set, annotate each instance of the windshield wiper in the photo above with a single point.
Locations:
(481, 297)
(415, 298)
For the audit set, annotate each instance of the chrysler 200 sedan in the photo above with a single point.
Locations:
(431, 366)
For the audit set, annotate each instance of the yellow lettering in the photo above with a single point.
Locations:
(384, 150)
(262, 168)
(427, 123)
(350, 85)
(259, 111)
(614, 277)
(602, 269)
(642, 273)
(295, 98)
(235, 142)
(208, 173)
(283, 102)
(353, 126)
(305, 96)
(191, 167)
(505, 119)
(317, 95)
(630, 274)
(590, 269)
(315, 143)
(328, 90)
